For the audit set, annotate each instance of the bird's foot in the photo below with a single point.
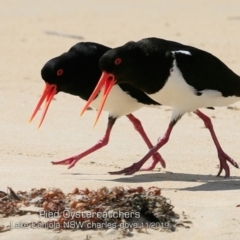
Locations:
(69, 161)
(226, 169)
(157, 158)
(223, 158)
(129, 170)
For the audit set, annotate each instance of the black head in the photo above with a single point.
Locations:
(76, 71)
(62, 71)
(124, 62)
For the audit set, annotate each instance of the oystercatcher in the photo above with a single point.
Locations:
(177, 75)
(77, 72)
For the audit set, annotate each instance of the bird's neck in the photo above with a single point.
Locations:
(81, 88)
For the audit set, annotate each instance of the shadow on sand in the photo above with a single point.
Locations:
(206, 182)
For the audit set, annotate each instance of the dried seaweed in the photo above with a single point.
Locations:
(93, 209)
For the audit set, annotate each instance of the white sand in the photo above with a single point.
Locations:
(26, 153)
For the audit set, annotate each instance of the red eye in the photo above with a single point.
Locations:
(118, 61)
(59, 72)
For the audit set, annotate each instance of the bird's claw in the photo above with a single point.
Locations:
(223, 158)
(127, 171)
(67, 161)
(157, 158)
(226, 169)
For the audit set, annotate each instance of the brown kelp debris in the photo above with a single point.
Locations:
(93, 209)
(11, 202)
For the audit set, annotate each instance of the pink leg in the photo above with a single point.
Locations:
(223, 157)
(156, 156)
(161, 141)
(101, 143)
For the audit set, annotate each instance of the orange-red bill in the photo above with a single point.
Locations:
(48, 94)
(107, 88)
(107, 80)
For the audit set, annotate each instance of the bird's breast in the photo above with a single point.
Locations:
(118, 103)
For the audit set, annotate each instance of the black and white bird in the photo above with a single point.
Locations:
(77, 72)
(173, 74)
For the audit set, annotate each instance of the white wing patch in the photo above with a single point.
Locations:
(183, 52)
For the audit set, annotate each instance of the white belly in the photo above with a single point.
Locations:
(182, 97)
(118, 103)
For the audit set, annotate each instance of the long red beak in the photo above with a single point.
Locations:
(48, 94)
(108, 80)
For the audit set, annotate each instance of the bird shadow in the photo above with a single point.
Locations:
(206, 182)
(214, 186)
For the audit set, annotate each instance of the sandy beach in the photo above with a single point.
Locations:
(28, 40)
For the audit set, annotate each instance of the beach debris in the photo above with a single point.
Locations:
(2, 194)
(13, 195)
(4, 228)
(63, 34)
(104, 208)
(233, 108)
